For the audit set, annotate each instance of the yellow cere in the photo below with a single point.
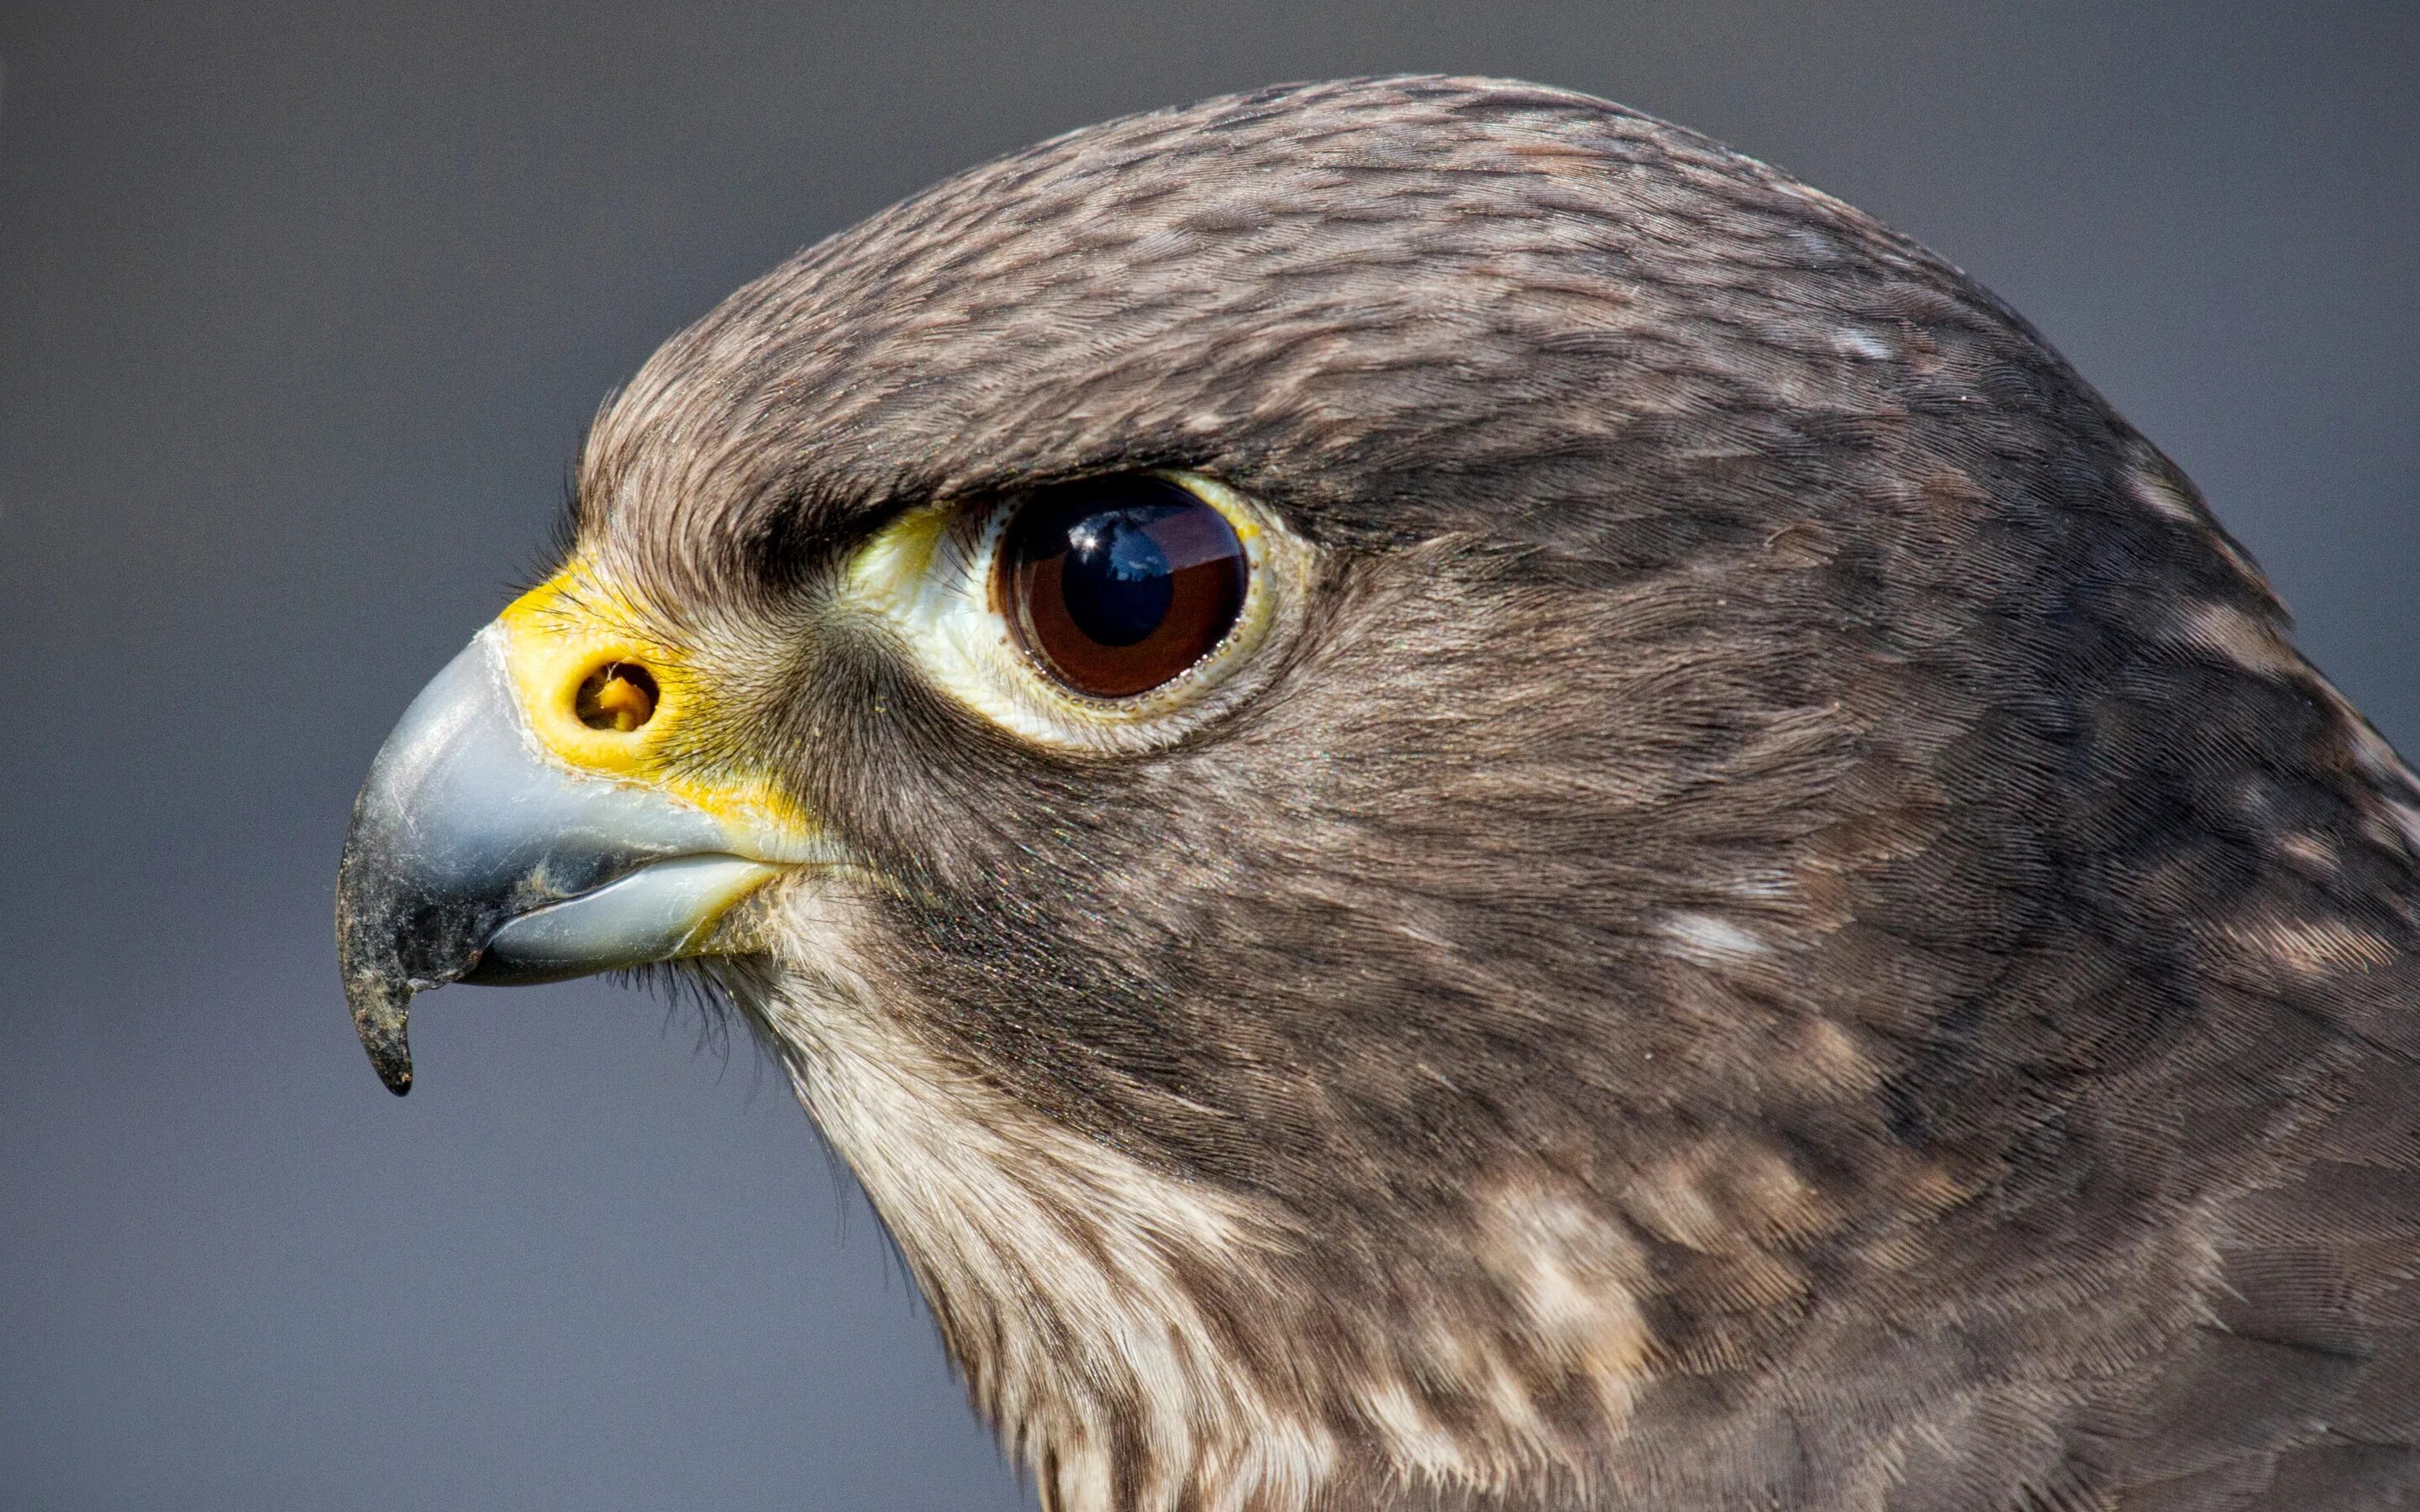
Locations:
(605, 699)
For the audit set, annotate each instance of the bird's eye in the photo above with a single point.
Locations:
(1116, 586)
(1112, 613)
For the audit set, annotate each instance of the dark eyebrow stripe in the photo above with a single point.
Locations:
(779, 548)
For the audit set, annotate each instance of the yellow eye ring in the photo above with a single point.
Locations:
(945, 577)
(598, 693)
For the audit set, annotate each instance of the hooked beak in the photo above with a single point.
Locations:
(490, 847)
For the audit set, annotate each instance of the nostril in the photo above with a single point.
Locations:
(619, 696)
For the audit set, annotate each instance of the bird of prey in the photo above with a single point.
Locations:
(1459, 803)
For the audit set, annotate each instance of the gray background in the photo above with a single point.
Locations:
(302, 309)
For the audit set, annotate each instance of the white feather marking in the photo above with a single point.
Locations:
(1855, 341)
(2161, 497)
(2313, 948)
(2250, 643)
(1712, 938)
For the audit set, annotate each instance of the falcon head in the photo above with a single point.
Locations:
(1455, 801)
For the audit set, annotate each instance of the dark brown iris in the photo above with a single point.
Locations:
(1117, 585)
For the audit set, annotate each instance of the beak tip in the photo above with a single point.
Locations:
(397, 1076)
(381, 1016)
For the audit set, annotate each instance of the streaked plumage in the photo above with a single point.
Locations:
(1775, 923)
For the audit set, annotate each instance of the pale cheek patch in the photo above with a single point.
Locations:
(1066, 1276)
(1053, 1255)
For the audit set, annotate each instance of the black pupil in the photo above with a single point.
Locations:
(1117, 579)
(1117, 585)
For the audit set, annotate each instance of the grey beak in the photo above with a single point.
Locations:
(476, 857)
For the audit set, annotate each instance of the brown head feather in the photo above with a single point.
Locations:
(1788, 932)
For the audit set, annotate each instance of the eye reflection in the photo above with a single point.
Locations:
(1117, 585)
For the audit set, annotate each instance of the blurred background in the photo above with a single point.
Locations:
(303, 310)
